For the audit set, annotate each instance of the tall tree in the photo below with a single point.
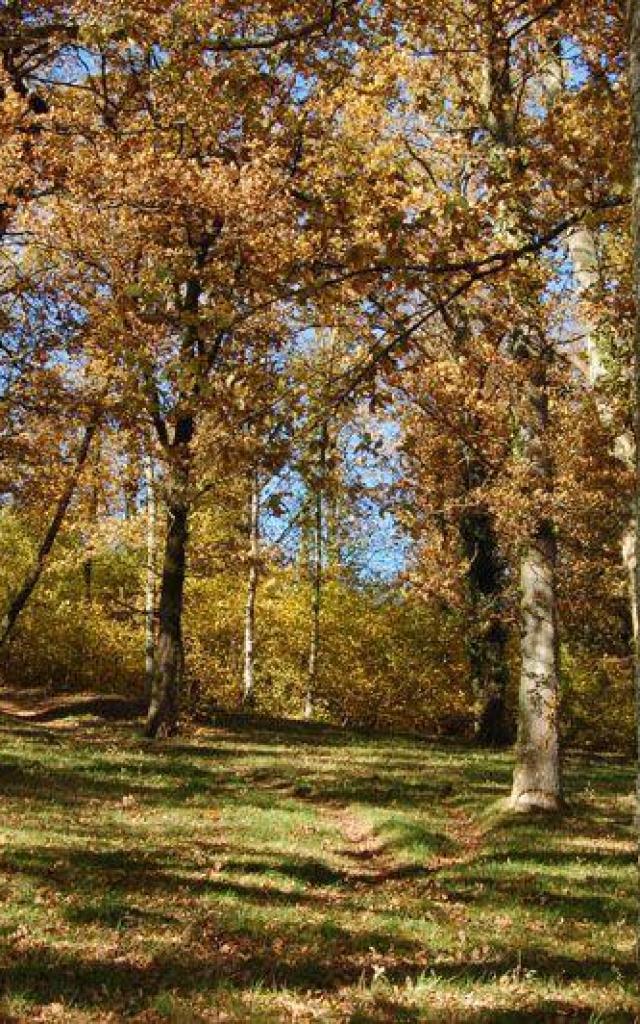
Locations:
(150, 572)
(253, 533)
(537, 779)
(317, 569)
(192, 271)
(45, 547)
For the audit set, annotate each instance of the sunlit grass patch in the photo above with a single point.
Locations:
(249, 876)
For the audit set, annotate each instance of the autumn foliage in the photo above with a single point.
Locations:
(327, 251)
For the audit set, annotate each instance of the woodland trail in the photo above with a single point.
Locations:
(32, 705)
(368, 860)
(251, 875)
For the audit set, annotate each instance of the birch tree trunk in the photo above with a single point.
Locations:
(33, 576)
(581, 244)
(537, 780)
(316, 601)
(150, 580)
(584, 257)
(248, 672)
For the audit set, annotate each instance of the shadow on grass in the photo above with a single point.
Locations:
(242, 944)
(508, 897)
(130, 871)
(170, 778)
(217, 958)
(386, 1010)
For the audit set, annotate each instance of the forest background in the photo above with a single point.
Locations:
(316, 364)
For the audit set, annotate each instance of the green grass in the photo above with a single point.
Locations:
(247, 875)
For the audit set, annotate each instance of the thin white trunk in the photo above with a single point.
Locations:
(248, 674)
(581, 243)
(316, 601)
(316, 604)
(584, 257)
(629, 563)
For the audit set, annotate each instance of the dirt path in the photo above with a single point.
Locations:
(366, 859)
(34, 706)
(364, 856)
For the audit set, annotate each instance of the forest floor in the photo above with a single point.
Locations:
(246, 874)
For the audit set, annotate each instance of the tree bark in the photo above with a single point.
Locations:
(629, 564)
(87, 565)
(33, 576)
(150, 580)
(537, 781)
(486, 634)
(248, 673)
(582, 249)
(162, 716)
(584, 257)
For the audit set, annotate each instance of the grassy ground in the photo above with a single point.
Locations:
(257, 876)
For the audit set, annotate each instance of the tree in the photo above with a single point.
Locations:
(253, 532)
(634, 91)
(536, 781)
(216, 187)
(188, 275)
(317, 567)
(150, 573)
(449, 467)
(61, 507)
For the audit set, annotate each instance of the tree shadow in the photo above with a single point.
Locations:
(216, 957)
(243, 943)
(385, 1010)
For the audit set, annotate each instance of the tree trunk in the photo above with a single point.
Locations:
(582, 249)
(150, 581)
(33, 576)
(584, 257)
(252, 589)
(316, 601)
(87, 580)
(486, 633)
(162, 716)
(537, 780)
(87, 565)
(629, 564)
(634, 84)
(492, 673)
